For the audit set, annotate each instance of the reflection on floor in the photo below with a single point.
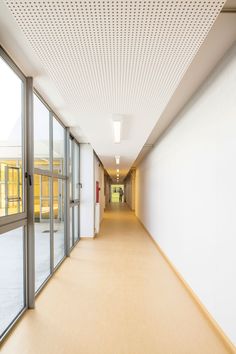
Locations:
(11, 276)
(42, 249)
(11, 266)
(114, 295)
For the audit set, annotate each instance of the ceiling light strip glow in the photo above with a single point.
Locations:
(117, 160)
(117, 120)
(117, 131)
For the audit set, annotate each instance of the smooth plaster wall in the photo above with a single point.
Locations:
(186, 194)
(87, 191)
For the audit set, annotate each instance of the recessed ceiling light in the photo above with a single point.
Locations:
(117, 170)
(117, 120)
(117, 159)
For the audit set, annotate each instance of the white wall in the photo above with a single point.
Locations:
(90, 172)
(87, 191)
(186, 194)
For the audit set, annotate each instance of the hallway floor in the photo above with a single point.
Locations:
(114, 295)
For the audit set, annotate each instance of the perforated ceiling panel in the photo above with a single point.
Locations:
(115, 56)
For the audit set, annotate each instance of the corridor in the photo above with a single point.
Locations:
(114, 295)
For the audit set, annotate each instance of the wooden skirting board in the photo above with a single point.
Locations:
(230, 346)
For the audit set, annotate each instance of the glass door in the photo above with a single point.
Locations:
(74, 173)
(49, 191)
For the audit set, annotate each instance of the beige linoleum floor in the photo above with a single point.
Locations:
(114, 295)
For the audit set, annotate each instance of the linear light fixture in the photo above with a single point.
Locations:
(117, 122)
(117, 160)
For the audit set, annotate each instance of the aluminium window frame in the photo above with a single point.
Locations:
(74, 202)
(49, 173)
(19, 220)
(25, 219)
(64, 177)
(7, 219)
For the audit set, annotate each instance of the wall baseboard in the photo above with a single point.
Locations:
(227, 342)
(87, 237)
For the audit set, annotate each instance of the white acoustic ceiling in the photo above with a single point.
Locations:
(109, 57)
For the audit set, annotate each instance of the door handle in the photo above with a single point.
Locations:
(29, 177)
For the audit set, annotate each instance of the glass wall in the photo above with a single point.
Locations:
(117, 193)
(74, 181)
(58, 148)
(71, 227)
(55, 181)
(70, 167)
(12, 193)
(41, 135)
(59, 219)
(12, 299)
(76, 222)
(42, 216)
(49, 187)
(11, 153)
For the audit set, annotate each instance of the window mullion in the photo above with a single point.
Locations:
(51, 193)
(30, 278)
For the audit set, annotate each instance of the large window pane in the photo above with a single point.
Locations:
(74, 180)
(76, 186)
(42, 228)
(70, 168)
(58, 215)
(41, 135)
(11, 189)
(71, 227)
(11, 276)
(58, 147)
(76, 223)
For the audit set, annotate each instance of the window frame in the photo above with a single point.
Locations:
(25, 219)
(8, 219)
(74, 202)
(64, 177)
(19, 220)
